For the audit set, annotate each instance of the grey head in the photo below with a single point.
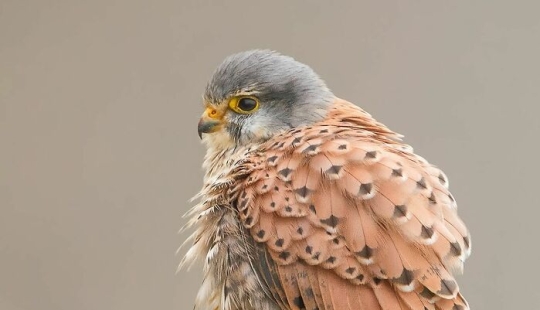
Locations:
(287, 94)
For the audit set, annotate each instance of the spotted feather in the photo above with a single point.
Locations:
(375, 219)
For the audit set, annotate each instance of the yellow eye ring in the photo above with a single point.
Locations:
(244, 104)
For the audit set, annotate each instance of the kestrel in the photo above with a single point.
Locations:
(310, 203)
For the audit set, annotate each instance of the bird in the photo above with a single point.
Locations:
(308, 202)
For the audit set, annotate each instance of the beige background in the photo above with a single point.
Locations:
(99, 154)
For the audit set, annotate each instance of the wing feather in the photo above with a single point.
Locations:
(350, 218)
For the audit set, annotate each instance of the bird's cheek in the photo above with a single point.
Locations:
(261, 133)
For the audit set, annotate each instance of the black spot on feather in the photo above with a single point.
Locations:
(397, 172)
(448, 287)
(421, 183)
(272, 159)
(350, 270)
(366, 252)
(299, 302)
(366, 188)
(371, 155)
(284, 255)
(331, 221)
(303, 191)
(335, 169)
(400, 211)
(285, 172)
(311, 148)
(455, 249)
(406, 277)
(427, 232)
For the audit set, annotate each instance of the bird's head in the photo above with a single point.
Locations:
(257, 94)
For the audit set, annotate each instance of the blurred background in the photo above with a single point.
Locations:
(99, 153)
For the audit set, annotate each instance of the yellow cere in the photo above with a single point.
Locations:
(212, 113)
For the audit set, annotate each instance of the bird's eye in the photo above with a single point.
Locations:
(244, 105)
(247, 104)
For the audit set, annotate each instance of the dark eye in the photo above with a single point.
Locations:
(244, 104)
(247, 104)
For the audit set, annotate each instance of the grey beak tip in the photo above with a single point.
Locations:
(206, 127)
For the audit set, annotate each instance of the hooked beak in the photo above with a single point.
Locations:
(210, 121)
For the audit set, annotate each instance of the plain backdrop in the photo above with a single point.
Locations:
(99, 153)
